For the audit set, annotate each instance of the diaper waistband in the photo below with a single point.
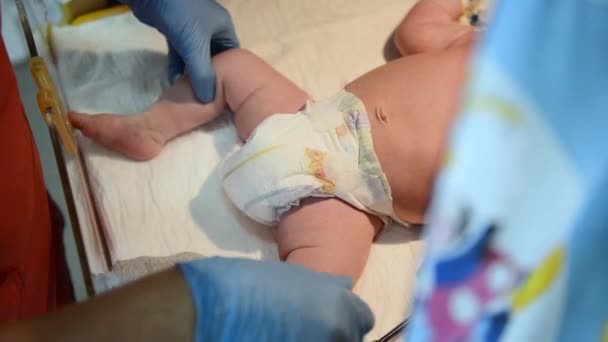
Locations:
(354, 114)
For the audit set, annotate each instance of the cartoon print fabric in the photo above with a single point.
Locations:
(518, 228)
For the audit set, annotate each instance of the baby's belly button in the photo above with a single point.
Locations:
(381, 115)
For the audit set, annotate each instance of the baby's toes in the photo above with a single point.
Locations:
(99, 127)
(90, 125)
(78, 120)
(123, 134)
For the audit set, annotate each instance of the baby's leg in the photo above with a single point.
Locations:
(327, 235)
(309, 235)
(246, 85)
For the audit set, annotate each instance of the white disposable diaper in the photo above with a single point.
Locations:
(326, 150)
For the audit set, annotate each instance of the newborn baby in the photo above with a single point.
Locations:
(330, 176)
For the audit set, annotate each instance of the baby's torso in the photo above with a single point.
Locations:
(411, 103)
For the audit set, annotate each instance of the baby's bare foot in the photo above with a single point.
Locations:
(125, 134)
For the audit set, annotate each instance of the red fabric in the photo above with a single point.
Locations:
(33, 276)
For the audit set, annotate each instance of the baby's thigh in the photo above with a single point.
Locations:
(327, 235)
(255, 90)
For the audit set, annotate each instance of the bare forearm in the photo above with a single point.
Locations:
(158, 308)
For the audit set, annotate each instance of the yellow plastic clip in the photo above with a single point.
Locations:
(99, 14)
(50, 104)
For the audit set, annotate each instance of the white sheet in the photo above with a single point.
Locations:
(174, 203)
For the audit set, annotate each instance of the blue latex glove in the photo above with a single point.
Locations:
(246, 300)
(195, 31)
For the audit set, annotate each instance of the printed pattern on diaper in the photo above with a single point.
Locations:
(315, 167)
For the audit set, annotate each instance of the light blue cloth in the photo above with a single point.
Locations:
(518, 233)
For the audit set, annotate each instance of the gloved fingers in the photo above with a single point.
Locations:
(362, 314)
(175, 65)
(344, 281)
(143, 9)
(201, 73)
(355, 311)
(223, 41)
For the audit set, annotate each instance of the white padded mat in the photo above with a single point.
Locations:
(174, 203)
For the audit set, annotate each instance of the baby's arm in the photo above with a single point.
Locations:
(432, 25)
(245, 85)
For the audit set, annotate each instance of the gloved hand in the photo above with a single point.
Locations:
(195, 31)
(247, 300)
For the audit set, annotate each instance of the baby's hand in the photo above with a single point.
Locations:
(474, 13)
